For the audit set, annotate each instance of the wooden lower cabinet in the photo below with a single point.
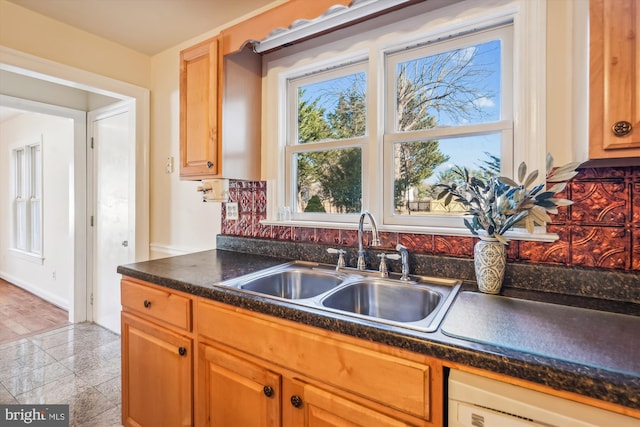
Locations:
(157, 372)
(237, 392)
(322, 408)
(254, 370)
(191, 361)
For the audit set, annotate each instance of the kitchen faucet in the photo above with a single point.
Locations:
(375, 240)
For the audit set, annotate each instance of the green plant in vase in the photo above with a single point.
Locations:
(498, 204)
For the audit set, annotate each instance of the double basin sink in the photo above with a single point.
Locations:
(419, 303)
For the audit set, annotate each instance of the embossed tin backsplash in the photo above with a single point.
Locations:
(601, 229)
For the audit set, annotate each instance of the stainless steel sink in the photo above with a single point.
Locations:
(294, 283)
(385, 300)
(419, 304)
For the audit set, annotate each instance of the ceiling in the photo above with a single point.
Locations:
(147, 26)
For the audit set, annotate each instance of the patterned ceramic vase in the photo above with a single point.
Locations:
(490, 260)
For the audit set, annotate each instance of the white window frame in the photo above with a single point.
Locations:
(391, 136)
(292, 147)
(529, 97)
(27, 212)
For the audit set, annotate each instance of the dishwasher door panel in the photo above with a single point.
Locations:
(466, 415)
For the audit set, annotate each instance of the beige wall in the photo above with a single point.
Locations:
(180, 221)
(567, 80)
(29, 32)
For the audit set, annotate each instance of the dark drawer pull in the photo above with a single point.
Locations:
(296, 401)
(147, 304)
(182, 351)
(268, 391)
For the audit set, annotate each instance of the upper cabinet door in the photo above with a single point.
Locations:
(199, 130)
(615, 79)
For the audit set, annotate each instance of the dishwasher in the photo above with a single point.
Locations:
(476, 401)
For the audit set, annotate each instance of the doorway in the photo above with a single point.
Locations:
(111, 132)
(40, 70)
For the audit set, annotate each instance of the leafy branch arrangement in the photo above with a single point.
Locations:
(499, 203)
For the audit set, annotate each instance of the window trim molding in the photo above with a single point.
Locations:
(26, 256)
(529, 83)
(27, 185)
(357, 64)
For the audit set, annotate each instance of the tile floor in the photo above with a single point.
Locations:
(77, 364)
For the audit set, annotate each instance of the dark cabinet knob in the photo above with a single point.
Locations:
(268, 391)
(296, 401)
(209, 165)
(182, 351)
(621, 128)
(147, 303)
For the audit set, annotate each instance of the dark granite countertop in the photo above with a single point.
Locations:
(616, 381)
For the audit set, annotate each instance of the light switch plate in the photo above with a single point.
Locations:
(232, 210)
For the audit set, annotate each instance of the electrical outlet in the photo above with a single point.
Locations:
(232, 210)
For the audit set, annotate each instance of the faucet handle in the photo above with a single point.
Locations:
(340, 252)
(394, 257)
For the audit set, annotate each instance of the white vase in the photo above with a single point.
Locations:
(490, 260)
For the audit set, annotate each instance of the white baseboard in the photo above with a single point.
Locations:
(39, 292)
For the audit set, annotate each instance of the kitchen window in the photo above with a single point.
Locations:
(447, 104)
(374, 121)
(327, 134)
(27, 199)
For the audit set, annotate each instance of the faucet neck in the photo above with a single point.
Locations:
(375, 240)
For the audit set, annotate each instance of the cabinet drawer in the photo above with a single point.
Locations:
(157, 304)
(399, 383)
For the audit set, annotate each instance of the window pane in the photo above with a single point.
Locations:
(453, 88)
(36, 222)
(329, 181)
(332, 109)
(21, 224)
(19, 169)
(36, 171)
(420, 165)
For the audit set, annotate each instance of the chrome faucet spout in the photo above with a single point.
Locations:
(375, 239)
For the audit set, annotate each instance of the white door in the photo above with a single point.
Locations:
(112, 133)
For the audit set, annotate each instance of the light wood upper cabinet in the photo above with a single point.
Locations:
(220, 113)
(199, 108)
(614, 79)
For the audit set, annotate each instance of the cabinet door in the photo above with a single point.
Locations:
(614, 79)
(323, 409)
(157, 368)
(238, 392)
(199, 133)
